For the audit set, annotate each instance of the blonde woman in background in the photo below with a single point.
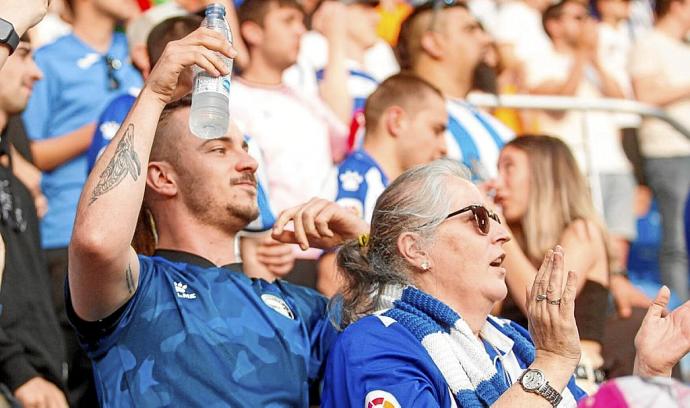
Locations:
(546, 202)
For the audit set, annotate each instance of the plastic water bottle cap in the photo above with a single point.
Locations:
(215, 8)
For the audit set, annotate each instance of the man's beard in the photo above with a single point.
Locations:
(208, 209)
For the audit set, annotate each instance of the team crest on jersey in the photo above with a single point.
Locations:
(350, 180)
(181, 291)
(278, 304)
(380, 399)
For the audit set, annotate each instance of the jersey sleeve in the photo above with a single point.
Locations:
(351, 191)
(102, 334)
(108, 124)
(374, 365)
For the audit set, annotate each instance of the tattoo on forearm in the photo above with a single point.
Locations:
(124, 161)
(130, 280)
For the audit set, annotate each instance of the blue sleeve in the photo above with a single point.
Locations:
(102, 334)
(372, 364)
(352, 191)
(107, 126)
(266, 218)
(38, 110)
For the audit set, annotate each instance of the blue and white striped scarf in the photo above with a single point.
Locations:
(457, 352)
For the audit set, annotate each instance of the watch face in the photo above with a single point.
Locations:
(5, 30)
(533, 379)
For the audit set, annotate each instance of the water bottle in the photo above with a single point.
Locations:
(210, 110)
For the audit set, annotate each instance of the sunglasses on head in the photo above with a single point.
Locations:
(482, 217)
(113, 65)
(435, 6)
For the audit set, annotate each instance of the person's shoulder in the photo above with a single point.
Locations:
(371, 334)
(357, 161)
(58, 49)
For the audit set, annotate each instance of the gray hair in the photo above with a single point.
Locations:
(417, 201)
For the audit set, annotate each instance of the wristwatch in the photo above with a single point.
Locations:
(8, 36)
(534, 381)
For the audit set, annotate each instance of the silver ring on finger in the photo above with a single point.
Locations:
(556, 302)
(541, 297)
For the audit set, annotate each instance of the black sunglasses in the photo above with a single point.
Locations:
(482, 217)
(113, 65)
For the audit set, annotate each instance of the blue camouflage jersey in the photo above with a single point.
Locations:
(109, 123)
(360, 183)
(197, 335)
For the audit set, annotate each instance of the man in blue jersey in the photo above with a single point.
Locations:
(405, 123)
(263, 257)
(444, 45)
(83, 71)
(185, 327)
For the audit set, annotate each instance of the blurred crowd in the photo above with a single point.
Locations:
(336, 99)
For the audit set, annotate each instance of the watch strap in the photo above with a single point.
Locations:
(550, 394)
(12, 38)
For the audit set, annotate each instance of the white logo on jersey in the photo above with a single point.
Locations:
(380, 399)
(109, 129)
(87, 60)
(351, 180)
(181, 291)
(277, 304)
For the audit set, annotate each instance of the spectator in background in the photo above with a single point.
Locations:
(405, 126)
(83, 71)
(444, 46)
(57, 22)
(332, 59)
(546, 202)
(299, 136)
(658, 67)
(575, 68)
(519, 32)
(137, 31)
(32, 355)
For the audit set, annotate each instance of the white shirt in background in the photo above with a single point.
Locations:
(593, 137)
(615, 44)
(667, 60)
(520, 25)
(296, 134)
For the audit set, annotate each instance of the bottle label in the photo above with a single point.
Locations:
(205, 83)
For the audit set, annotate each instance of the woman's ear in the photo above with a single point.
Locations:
(413, 251)
(161, 179)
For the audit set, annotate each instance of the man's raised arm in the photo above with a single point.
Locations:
(103, 268)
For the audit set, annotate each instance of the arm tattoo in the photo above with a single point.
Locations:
(131, 287)
(124, 161)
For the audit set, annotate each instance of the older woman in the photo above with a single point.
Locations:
(417, 300)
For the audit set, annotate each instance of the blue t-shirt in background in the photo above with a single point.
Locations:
(360, 183)
(73, 92)
(197, 335)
